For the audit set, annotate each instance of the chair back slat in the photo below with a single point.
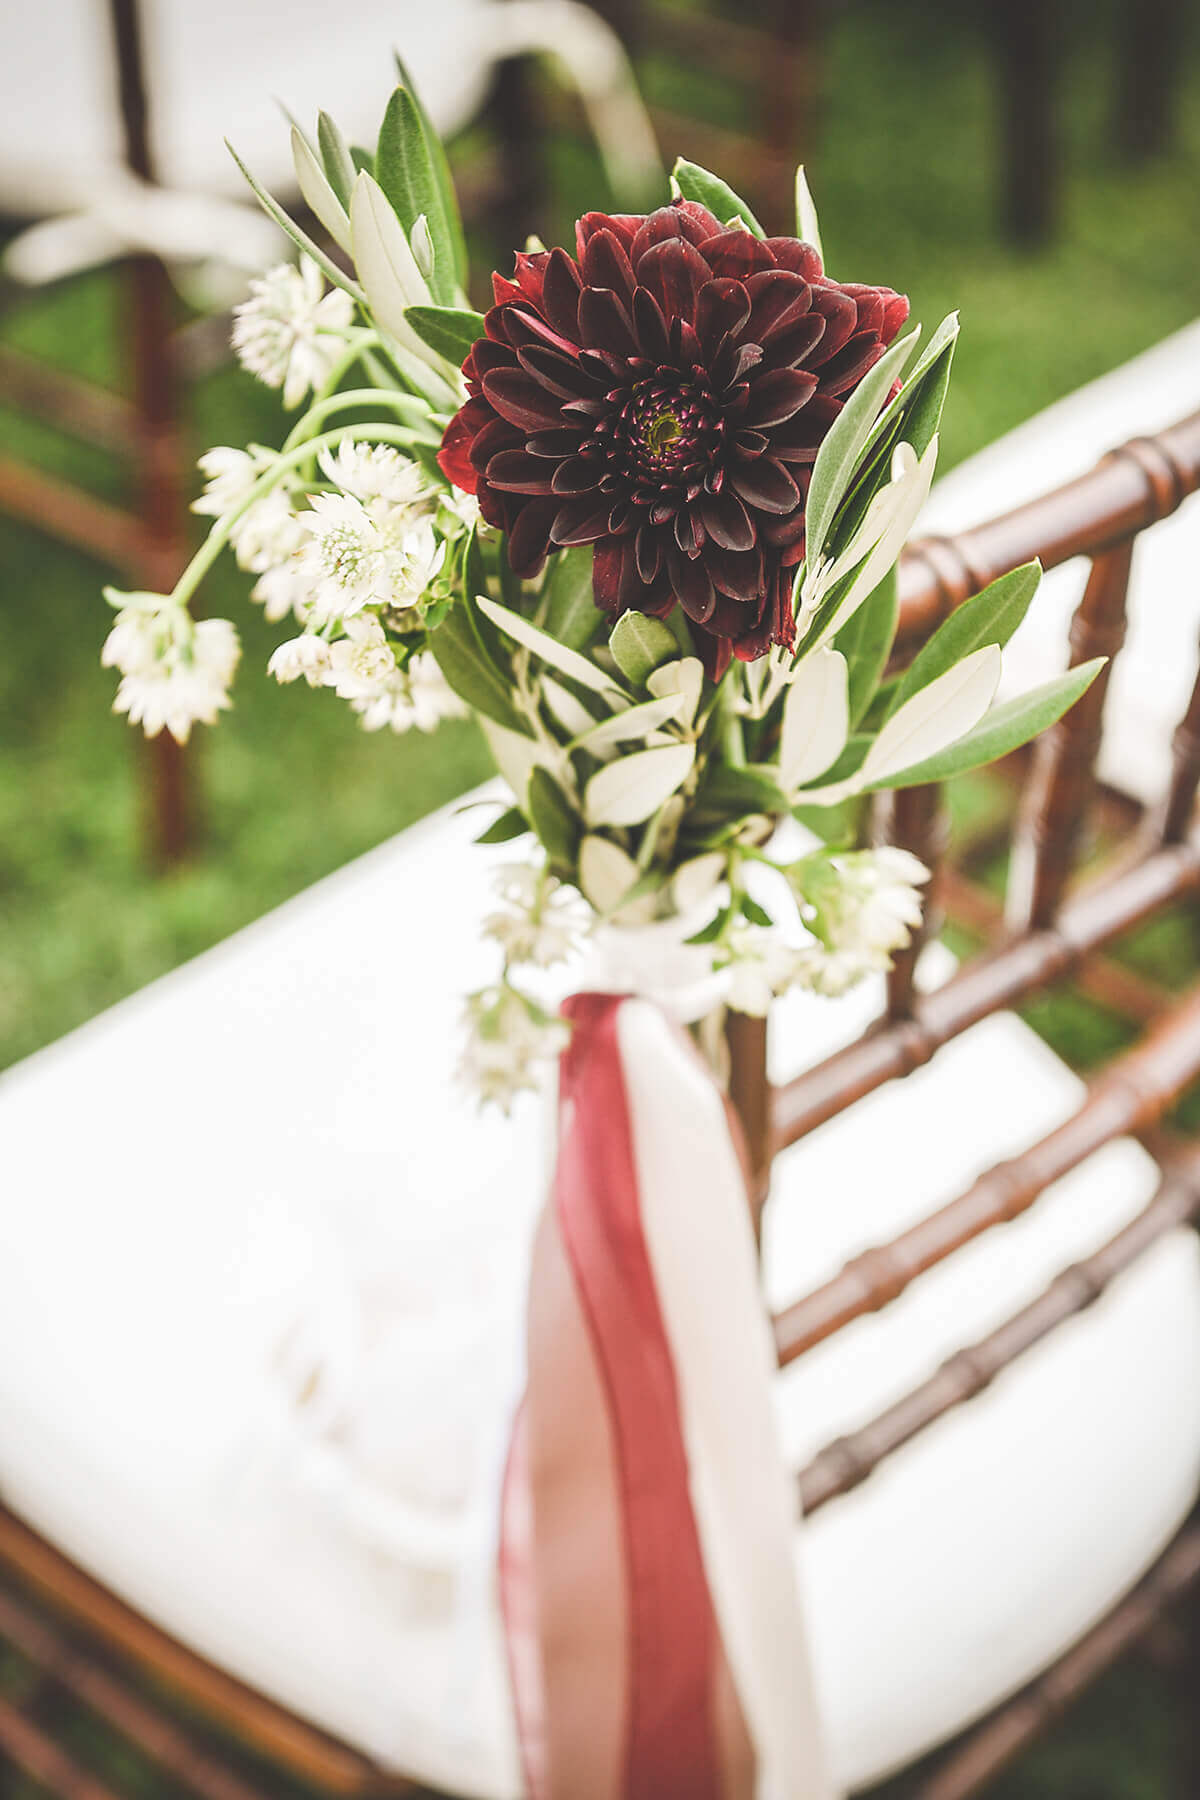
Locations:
(1133, 487)
(1131, 1093)
(848, 1460)
(1058, 796)
(914, 819)
(989, 984)
(1185, 773)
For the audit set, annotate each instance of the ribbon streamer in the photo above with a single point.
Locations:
(647, 1562)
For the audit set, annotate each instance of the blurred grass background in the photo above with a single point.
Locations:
(906, 180)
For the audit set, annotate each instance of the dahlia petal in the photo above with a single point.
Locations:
(737, 573)
(494, 507)
(765, 484)
(722, 306)
(649, 552)
(524, 326)
(800, 439)
(518, 473)
(611, 576)
(698, 218)
(690, 580)
(487, 354)
(714, 652)
(793, 347)
(561, 283)
(605, 264)
(727, 522)
(603, 322)
(895, 311)
(653, 336)
(454, 457)
(576, 475)
(667, 224)
(529, 537)
(518, 398)
(799, 257)
(736, 253)
(778, 297)
(847, 368)
(624, 227)
(778, 395)
(784, 530)
(558, 374)
(689, 532)
(869, 302)
(776, 623)
(840, 315)
(751, 443)
(556, 444)
(491, 438)
(674, 272)
(579, 521)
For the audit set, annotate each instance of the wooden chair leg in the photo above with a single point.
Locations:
(159, 456)
(1025, 34)
(161, 503)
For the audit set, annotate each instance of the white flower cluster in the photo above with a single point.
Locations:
(361, 667)
(175, 671)
(290, 332)
(861, 907)
(510, 1039)
(542, 922)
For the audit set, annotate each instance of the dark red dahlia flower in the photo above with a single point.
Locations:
(663, 398)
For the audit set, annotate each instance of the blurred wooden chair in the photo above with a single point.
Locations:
(997, 1433)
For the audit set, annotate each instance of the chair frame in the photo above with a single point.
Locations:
(74, 1634)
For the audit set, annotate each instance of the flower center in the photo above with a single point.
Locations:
(671, 431)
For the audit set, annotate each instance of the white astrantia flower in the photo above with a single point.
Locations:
(288, 332)
(283, 590)
(303, 658)
(375, 472)
(362, 669)
(862, 905)
(268, 533)
(229, 476)
(830, 973)
(464, 506)
(509, 1042)
(759, 967)
(542, 922)
(360, 556)
(175, 672)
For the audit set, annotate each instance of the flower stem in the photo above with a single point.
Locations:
(218, 537)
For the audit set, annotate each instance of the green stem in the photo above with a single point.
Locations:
(218, 537)
(404, 404)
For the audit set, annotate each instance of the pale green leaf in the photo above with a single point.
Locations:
(938, 715)
(336, 157)
(274, 211)
(1002, 729)
(451, 331)
(404, 169)
(317, 192)
(634, 722)
(989, 617)
(558, 656)
(628, 791)
(692, 182)
(816, 719)
(807, 227)
(639, 644)
(845, 441)
(553, 817)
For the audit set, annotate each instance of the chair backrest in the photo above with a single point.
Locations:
(1051, 928)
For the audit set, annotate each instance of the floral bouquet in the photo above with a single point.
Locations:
(642, 520)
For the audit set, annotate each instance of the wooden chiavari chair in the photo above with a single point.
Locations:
(75, 1637)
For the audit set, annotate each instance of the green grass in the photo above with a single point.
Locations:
(906, 179)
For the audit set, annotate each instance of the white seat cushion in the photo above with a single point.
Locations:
(255, 1180)
(1153, 675)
